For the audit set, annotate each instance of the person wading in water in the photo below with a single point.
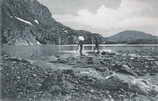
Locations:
(81, 40)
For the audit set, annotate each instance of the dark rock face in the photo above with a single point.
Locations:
(25, 20)
(30, 22)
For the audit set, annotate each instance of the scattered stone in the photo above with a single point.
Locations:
(53, 59)
(125, 69)
(89, 75)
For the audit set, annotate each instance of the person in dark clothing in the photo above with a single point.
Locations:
(81, 47)
(96, 42)
(81, 39)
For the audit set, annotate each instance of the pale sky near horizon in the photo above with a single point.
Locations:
(106, 17)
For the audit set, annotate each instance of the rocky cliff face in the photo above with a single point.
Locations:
(29, 22)
(26, 21)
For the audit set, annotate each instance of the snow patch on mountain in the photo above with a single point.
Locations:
(22, 20)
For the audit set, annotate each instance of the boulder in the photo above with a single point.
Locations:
(53, 59)
(123, 69)
(130, 83)
(108, 52)
(156, 62)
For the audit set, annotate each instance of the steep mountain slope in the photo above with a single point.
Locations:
(21, 21)
(29, 22)
(133, 37)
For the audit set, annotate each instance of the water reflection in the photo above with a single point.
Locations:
(48, 50)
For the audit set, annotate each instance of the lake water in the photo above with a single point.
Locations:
(48, 50)
(141, 49)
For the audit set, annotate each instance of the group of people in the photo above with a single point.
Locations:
(81, 40)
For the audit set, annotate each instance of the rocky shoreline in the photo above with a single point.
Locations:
(110, 76)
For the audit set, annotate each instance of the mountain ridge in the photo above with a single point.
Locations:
(30, 22)
(132, 36)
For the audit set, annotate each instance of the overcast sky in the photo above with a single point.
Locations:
(106, 17)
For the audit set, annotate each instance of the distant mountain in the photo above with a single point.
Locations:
(132, 37)
(29, 22)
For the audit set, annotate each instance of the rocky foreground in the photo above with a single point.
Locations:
(104, 77)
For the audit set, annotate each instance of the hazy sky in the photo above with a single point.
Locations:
(106, 16)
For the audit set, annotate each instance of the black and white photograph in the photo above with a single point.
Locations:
(79, 50)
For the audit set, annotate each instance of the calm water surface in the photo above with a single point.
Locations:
(48, 50)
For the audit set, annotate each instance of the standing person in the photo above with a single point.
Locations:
(96, 42)
(81, 40)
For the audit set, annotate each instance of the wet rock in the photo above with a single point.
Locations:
(89, 60)
(66, 59)
(53, 59)
(108, 52)
(130, 83)
(72, 60)
(156, 62)
(125, 69)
